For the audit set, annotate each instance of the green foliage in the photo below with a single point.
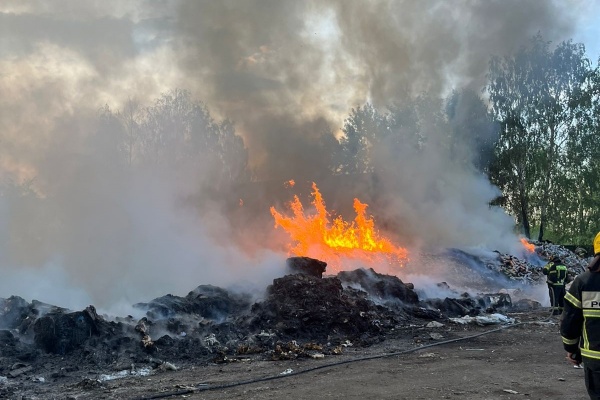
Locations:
(472, 129)
(540, 96)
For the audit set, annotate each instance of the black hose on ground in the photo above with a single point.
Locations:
(273, 377)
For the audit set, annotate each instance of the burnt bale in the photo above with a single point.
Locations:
(526, 305)
(384, 287)
(216, 303)
(495, 301)
(460, 307)
(306, 307)
(61, 333)
(16, 313)
(205, 301)
(13, 311)
(454, 307)
(7, 338)
(306, 265)
(465, 304)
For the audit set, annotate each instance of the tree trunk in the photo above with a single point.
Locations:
(547, 182)
(525, 219)
(523, 205)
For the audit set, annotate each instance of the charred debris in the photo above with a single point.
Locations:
(302, 314)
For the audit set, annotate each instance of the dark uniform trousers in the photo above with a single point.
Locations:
(592, 378)
(580, 327)
(557, 298)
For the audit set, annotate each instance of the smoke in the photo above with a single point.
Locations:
(280, 66)
(286, 72)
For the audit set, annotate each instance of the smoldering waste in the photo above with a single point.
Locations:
(302, 314)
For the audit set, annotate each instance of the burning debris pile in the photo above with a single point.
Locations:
(576, 261)
(528, 270)
(302, 314)
(325, 236)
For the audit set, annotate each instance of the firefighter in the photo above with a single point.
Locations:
(556, 278)
(581, 321)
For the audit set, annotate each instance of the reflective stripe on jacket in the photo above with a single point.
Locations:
(580, 323)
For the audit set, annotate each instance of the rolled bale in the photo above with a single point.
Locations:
(60, 333)
(307, 266)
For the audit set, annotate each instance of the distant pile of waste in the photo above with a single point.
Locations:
(517, 269)
(527, 269)
(576, 261)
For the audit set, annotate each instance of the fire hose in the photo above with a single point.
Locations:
(204, 388)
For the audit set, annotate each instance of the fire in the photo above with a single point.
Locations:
(530, 247)
(318, 236)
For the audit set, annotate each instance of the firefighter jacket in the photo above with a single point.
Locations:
(580, 325)
(556, 274)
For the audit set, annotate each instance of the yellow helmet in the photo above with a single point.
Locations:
(597, 244)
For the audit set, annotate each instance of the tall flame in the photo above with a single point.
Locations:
(530, 247)
(318, 236)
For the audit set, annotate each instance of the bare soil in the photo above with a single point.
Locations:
(520, 362)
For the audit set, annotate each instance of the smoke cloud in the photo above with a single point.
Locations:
(285, 72)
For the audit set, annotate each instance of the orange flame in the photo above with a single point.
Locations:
(289, 183)
(530, 247)
(318, 237)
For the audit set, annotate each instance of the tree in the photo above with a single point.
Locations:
(472, 129)
(362, 129)
(107, 141)
(534, 95)
(581, 179)
(178, 132)
(130, 117)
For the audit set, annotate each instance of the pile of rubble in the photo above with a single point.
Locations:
(576, 261)
(302, 314)
(529, 271)
(517, 269)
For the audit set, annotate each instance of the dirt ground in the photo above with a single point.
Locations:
(523, 361)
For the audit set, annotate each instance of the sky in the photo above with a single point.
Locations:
(285, 71)
(587, 28)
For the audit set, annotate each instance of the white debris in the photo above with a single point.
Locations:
(510, 391)
(347, 343)
(317, 356)
(167, 366)
(211, 340)
(3, 380)
(264, 336)
(124, 373)
(287, 371)
(482, 320)
(40, 379)
(434, 324)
